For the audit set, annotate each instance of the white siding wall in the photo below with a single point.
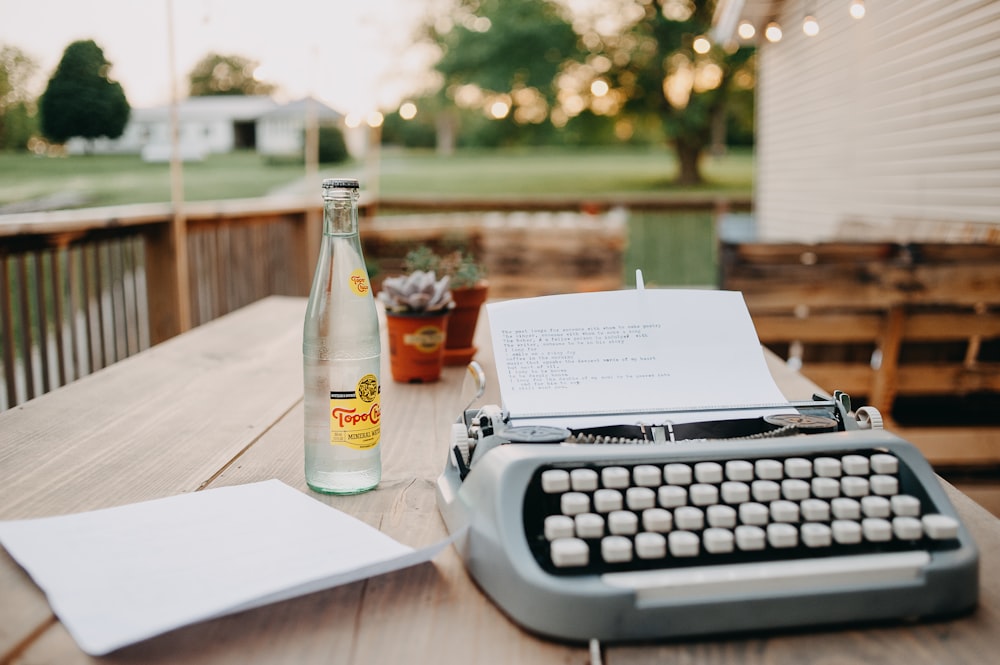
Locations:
(887, 127)
(280, 135)
(213, 135)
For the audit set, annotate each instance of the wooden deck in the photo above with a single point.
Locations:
(210, 413)
(889, 324)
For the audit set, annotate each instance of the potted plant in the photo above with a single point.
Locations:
(468, 289)
(417, 307)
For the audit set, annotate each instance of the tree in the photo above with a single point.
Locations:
(663, 64)
(217, 74)
(81, 99)
(504, 57)
(17, 110)
(622, 63)
(332, 146)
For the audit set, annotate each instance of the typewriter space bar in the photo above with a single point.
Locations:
(652, 586)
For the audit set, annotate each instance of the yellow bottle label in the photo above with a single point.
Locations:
(356, 416)
(359, 282)
(427, 339)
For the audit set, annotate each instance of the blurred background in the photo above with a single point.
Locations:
(837, 161)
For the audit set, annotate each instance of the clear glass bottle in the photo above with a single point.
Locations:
(341, 354)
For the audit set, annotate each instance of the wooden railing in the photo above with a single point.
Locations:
(82, 289)
(77, 308)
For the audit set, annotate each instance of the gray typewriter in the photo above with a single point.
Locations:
(816, 516)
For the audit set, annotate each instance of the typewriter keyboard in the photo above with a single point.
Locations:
(586, 518)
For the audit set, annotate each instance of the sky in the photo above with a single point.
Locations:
(355, 55)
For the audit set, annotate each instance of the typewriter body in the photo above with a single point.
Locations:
(636, 531)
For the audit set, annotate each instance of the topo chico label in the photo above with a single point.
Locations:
(356, 415)
(359, 282)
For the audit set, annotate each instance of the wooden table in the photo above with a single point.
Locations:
(222, 405)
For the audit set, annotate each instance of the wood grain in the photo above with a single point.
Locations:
(160, 423)
(222, 406)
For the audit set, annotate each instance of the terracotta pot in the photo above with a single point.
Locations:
(462, 323)
(416, 346)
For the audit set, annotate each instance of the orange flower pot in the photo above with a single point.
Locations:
(416, 346)
(462, 324)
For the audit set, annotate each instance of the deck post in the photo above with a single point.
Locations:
(167, 281)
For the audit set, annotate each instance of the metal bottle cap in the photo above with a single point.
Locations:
(341, 183)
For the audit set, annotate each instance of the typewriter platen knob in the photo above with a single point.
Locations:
(459, 445)
(868, 417)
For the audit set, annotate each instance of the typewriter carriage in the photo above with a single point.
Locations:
(481, 429)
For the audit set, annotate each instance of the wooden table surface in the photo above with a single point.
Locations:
(222, 405)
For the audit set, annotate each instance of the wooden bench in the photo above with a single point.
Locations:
(890, 324)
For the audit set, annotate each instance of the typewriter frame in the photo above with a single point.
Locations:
(486, 500)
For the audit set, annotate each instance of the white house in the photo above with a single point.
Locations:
(880, 127)
(281, 131)
(212, 125)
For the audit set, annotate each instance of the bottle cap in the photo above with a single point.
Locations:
(341, 183)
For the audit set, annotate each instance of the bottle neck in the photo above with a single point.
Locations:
(340, 212)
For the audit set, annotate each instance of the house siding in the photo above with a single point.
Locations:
(207, 125)
(884, 127)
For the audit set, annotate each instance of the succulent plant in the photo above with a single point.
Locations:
(464, 270)
(420, 291)
(461, 267)
(422, 258)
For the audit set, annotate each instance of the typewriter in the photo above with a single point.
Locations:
(815, 516)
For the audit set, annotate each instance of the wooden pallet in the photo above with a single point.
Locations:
(884, 322)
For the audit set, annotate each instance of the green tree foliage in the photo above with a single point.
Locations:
(506, 45)
(17, 110)
(81, 99)
(627, 69)
(503, 57)
(217, 74)
(18, 126)
(332, 147)
(416, 133)
(658, 68)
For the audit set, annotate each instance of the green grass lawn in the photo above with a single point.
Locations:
(568, 171)
(119, 179)
(99, 180)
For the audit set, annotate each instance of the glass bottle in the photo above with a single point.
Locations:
(341, 351)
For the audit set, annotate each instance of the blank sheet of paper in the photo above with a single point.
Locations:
(120, 575)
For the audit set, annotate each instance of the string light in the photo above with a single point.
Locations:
(810, 26)
(701, 45)
(772, 32)
(408, 111)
